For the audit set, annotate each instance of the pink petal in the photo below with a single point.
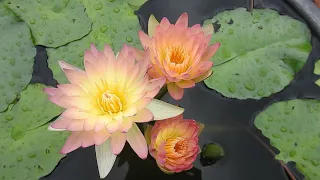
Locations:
(144, 115)
(60, 101)
(164, 23)
(126, 125)
(175, 91)
(183, 20)
(61, 123)
(137, 141)
(75, 77)
(87, 139)
(64, 65)
(142, 102)
(156, 83)
(123, 54)
(94, 50)
(129, 111)
(107, 51)
(90, 123)
(112, 126)
(71, 89)
(118, 141)
(74, 113)
(101, 136)
(144, 65)
(75, 125)
(52, 91)
(145, 39)
(89, 57)
(211, 50)
(153, 93)
(195, 28)
(138, 54)
(185, 83)
(73, 142)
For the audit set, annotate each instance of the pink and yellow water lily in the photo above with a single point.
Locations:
(179, 53)
(105, 101)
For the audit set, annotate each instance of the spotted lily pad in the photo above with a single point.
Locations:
(16, 56)
(114, 23)
(27, 149)
(259, 53)
(293, 127)
(53, 23)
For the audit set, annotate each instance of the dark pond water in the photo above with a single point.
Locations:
(228, 122)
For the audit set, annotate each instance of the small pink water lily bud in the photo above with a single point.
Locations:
(174, 143)
(104, 103)
(179, 53)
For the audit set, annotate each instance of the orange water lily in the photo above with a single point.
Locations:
(179, 53)
(105, 101)
(174, 143)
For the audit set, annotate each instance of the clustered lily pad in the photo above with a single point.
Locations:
(293, 128)
(259, 53)
(26, 146)
(53, 23)
(16, 56)
(114, 23)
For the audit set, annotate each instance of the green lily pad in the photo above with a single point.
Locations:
(135, 4)
(33, 105)
(293, 127)
(16, 56)
(29, 152)
(259, 53)
(114, 23)
(53, 23)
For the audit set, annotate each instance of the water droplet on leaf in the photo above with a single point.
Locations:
(231, 87)
(98, 6)
(249, 85)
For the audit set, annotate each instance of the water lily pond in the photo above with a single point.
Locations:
(158, 89)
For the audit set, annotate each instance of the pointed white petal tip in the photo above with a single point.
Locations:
(162, 110)
(105, 158)
(50, 128)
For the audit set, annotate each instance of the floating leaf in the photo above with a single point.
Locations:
(114, 23)
(293, 127)
(53, 23)
(32, 106)
(317, 71)
(259, 53)
(135, 4)
(27, 149)
(16, 56)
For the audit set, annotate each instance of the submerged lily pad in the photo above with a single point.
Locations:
(259, 53)
(27, 149)
(16, 56)
(114, 23)
(293, 127)
(53, 23)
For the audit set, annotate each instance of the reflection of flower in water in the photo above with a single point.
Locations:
(104, 103)
(174, 143)
(179, 53)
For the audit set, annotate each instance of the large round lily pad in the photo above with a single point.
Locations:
(53, 23)
(293, 127)
(259, 54)
(16, 56)
(27, 149)
(114, 23)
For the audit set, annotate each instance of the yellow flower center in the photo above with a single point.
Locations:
(176, 54)
(110, 102)
(176, 147)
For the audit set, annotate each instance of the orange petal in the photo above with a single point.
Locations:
(145, 39)
(203, 76)
(211, 50)
(175, 91)
(185, 83)
(183, 20)
(137, 141)
(118, 141)
(144, 115)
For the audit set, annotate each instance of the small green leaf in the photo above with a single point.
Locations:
(114, 23)
(259, 53)
(26, 146)
(53, 23)
(16, 56)
(293, 127)
(317, 67)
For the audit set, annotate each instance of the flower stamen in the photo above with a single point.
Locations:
(110, 102)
